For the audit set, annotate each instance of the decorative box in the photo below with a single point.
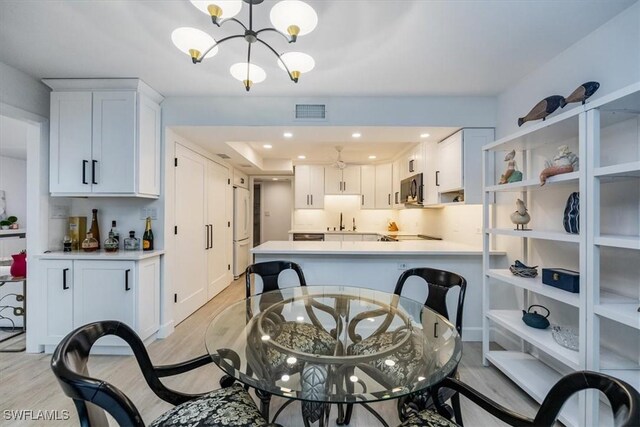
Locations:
(560, 278)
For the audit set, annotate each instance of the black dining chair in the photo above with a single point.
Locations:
(231, 406)
(439, 282)
(269, 272)
(623, 398)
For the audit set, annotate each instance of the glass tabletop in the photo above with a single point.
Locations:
(333, 344)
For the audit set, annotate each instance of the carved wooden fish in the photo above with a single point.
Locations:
(542, 109)
(582, 93)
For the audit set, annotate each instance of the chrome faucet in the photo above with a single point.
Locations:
(341, 225)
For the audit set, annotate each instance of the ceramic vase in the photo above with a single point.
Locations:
(19, 265)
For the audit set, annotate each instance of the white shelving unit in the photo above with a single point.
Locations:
(605, 309)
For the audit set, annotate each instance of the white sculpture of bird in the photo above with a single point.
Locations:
(521, 216)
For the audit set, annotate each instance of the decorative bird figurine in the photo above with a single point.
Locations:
(542, 109)
(521, 216)
(581, 94)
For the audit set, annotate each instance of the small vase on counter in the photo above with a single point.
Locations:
(90, 244)
(19, 265)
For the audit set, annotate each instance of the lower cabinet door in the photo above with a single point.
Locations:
(58, 287)
(148, 297)
(104, 290)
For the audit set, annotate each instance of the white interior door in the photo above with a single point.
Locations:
(190, 285)
(218, 264)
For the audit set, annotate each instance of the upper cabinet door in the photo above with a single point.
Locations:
(114, 139)
(430, 170)
(148, 146)
(450, 164)
(70, 144)
(316, 187)
(368, 185)
(384, 196)
(301, 187)
(332, 180)
(351, 180)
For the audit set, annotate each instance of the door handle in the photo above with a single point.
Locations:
(211, 240)
(437, 176)
(396, 198)
(307, 200)
(93, 171)
(435, 330)
(389, 199)
(363, 200)
(344, 186)
(84, 171)
(206, 232)
(64, 279)
(126, 280)
(312, 200)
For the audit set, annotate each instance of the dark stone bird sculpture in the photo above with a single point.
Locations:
(542, 109)
(581, 94)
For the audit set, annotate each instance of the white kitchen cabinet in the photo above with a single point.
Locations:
(103, 141)
(449, 176)
(309, 187)
(342, 181)
(79, 291)
(352, 237)
(429, 176)
(240, 179)
(384, 189)
(396, 178)
(370, 237)
(333, 237)
(368, 187)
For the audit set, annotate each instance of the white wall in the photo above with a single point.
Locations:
(276, 203)
(23, 91)
(609, 55)
(374, 220)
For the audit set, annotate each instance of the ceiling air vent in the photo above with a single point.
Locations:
(223, 156)
(311, 112)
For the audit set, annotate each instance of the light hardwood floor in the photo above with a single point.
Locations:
(26, 380)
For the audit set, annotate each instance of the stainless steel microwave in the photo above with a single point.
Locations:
(412, 190)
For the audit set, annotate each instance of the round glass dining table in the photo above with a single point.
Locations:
(332, 344)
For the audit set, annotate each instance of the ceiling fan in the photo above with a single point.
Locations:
(339, 163)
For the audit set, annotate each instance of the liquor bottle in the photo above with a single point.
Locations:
(116, 233)
(95, 229)
(131, 243)
(111, 244)
(90, 244)
(147, 237)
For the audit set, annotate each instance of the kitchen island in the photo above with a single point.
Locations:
(377, 265)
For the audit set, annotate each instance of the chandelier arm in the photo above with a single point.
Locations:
(247, 87)
(280, 59)
(234, 20)
(289, 39)
(202, 55)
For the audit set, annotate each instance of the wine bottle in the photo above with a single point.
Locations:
(95, 229)
(147, 237)
(114, 230)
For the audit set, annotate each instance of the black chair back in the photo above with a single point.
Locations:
(440, 283)
(269, 272)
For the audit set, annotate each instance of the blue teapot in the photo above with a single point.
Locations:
(534, 319)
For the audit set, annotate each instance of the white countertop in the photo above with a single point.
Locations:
(332, 231)
(407, 247)
(102, 255)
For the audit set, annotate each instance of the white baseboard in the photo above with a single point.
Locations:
(473, 334)
(166, 330)
(504, 340)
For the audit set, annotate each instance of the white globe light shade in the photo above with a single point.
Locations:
(187, 38)
(230, 8)
(293, 12)
(239, 72)
(297, 61)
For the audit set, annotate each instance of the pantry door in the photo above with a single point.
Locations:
(190, 271)
(219, 266)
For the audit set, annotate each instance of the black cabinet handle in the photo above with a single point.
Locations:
(389, 199)
(307, 200)
(435, 330)
(437, 176)
(126, 280)
(396, 198)
(206, 232)
(363, 200)
(312, 200)
(211, 239)
(64, 279)
(344, 186)
(84, 171)
(420, 196)
(93, 171)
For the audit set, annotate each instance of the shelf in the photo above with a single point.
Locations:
(553, 130)
(535, 378)
(613, 361)
(624, 170)
(541, 338)
(558, 236)
(536, 285)
(619, 309)
(20, 232)
(618, 241)
(534, 184)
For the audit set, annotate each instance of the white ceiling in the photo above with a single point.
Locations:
(13, 138)
(317, 143)
(381, 47)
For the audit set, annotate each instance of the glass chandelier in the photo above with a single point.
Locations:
(290, 18)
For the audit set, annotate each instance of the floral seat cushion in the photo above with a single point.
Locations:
(302, 337)
(427, 419)
(231, 406)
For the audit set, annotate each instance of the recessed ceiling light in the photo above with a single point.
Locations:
(287, 134)
(372, 157)
(356, 135)
(424, 135)
(274, 179)
(267, 146)
(301, 157)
